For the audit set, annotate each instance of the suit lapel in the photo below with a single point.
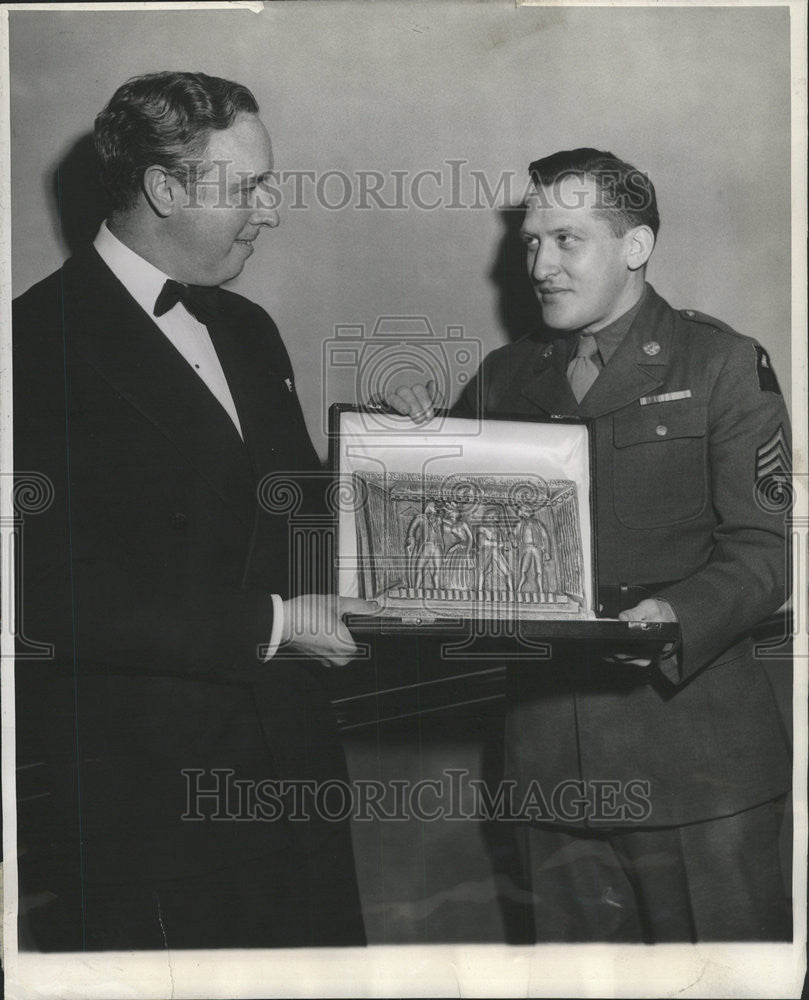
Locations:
(258, 392)
(133, 355)
(260, 380)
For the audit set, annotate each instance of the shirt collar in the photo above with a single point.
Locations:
(609, 337)
(141, 279)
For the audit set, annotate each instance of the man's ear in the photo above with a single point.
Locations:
(161, 191)
(640, 242)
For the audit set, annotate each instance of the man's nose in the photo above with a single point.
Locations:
(545, 262)
(265, 216)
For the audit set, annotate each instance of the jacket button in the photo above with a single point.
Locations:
(662, 430)
(178, 520)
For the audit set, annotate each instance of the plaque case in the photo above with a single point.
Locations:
(467, 520)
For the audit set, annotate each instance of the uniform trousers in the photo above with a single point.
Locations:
(718, 880)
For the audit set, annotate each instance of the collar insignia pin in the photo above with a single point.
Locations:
(288, 383)
(651, 348)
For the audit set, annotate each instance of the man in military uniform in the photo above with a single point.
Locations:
(689, 426)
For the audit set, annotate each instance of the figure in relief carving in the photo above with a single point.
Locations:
(493, 569)
(423, 545)
(482, 550)
(459, 542)
(533, 546)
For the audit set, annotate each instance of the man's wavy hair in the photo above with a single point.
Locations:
(166, 119)
(627, 196)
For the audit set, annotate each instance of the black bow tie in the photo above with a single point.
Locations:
(200, 300)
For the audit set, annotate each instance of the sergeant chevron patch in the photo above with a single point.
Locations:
(773, 457)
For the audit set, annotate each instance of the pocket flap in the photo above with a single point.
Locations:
(659, 423)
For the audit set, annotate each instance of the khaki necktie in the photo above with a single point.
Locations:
(584, 368)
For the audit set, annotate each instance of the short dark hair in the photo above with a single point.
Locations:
(162, 118)
(627, 195)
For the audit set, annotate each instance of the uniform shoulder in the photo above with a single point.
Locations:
(740, 352)
(717, 336)
(703, 319)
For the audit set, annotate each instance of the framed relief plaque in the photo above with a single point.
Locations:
(463, 519)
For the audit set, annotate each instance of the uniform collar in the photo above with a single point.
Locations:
(636, 367)
(610, 337)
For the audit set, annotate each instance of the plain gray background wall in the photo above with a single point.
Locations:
(699, 98)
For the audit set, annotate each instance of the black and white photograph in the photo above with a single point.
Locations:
(404, 511)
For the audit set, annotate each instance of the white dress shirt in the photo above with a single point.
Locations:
(189, 337)
(144, 282)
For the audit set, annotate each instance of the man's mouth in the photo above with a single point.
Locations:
(546, 292)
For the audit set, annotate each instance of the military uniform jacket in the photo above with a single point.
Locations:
(688, 423)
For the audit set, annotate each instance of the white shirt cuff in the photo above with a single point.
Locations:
(277, 628)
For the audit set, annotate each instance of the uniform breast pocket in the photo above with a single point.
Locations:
(660, 464)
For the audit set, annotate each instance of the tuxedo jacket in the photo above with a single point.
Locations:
(150, 574)
(688, 423)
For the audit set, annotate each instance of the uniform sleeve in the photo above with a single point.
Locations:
(746, 577)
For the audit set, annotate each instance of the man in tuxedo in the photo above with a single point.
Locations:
(185, 664)
(691, 441)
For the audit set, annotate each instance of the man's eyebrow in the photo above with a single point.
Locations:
(248, 180)
(526, 234)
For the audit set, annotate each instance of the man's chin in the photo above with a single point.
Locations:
(557, 320)
(230, 274)
(556, 314)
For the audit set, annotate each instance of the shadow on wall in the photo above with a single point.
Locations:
(77, 199)
(517, 307)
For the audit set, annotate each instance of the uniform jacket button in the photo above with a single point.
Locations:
(178, 520)
(662, 430)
